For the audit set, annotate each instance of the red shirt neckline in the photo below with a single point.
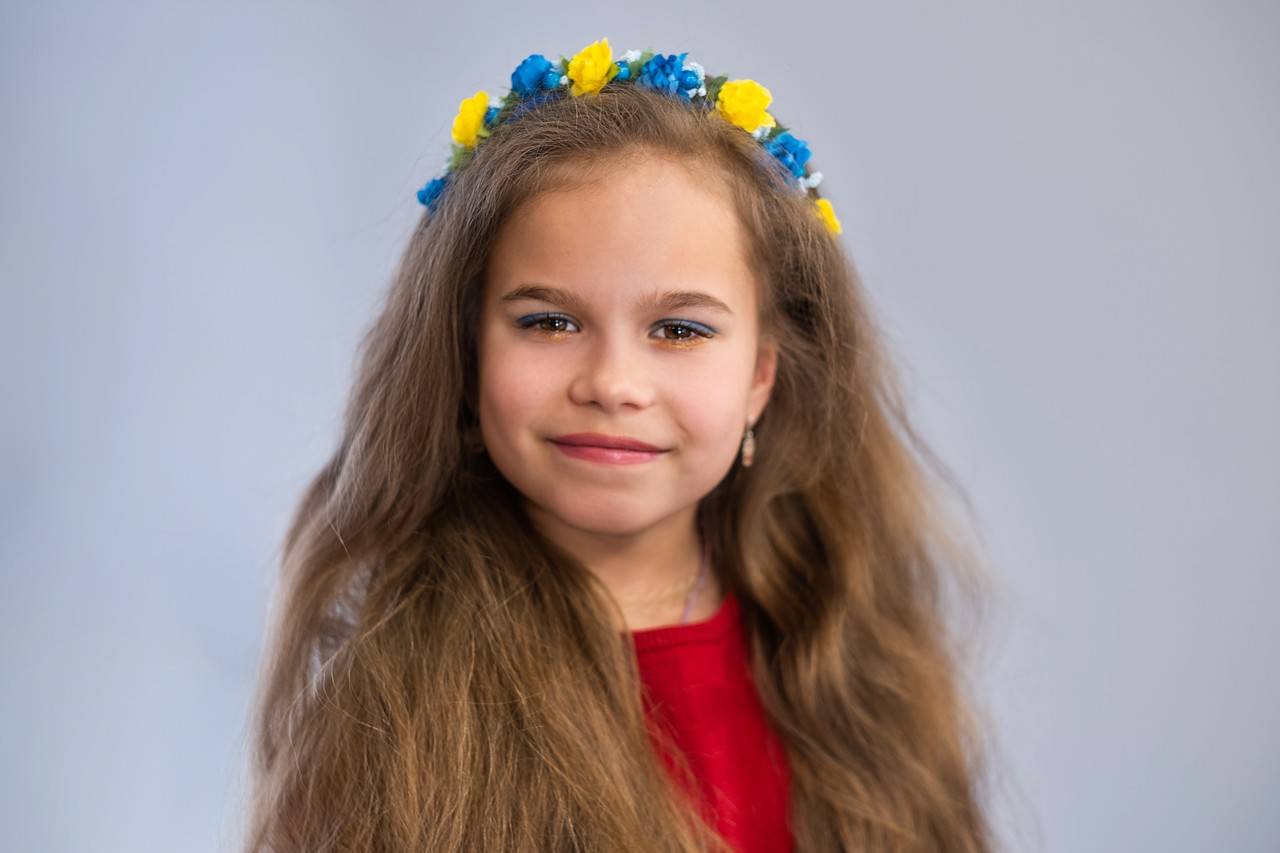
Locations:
(706, 630)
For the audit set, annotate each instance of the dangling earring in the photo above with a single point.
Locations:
(748, 448)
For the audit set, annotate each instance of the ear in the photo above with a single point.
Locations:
(762, 379)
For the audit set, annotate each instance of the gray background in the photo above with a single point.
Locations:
(1066, 212)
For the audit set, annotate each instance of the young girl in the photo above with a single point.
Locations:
(623, 547)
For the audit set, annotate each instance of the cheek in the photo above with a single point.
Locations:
(707, 410)
(711, 402)
(521, 395)
(510, 390)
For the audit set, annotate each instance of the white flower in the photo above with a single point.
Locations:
(495, 101)
(631, 56)
(811, 181)
(696, 68)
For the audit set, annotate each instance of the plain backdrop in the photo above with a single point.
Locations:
(1067, 215)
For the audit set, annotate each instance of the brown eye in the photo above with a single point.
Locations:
(684, 332)
(553, 324)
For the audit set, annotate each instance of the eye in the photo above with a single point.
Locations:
(552, 324)
(683, 331)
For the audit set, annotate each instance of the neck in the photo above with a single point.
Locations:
(650, 573)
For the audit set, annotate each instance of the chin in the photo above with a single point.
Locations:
(614, 516)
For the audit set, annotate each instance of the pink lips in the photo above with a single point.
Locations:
(597, 447)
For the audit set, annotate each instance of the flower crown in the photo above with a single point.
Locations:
(740, 102)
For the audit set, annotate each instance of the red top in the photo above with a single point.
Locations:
(698, 684)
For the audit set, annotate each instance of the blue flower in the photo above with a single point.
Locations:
(624, 70)
(427, 195)
(533, 74)
(666, 74)
(790, 151)
(491, 115)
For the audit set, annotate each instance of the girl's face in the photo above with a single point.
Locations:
(622, 309)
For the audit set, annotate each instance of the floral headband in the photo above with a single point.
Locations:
(740, 102)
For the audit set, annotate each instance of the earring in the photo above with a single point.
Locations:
(748, 448)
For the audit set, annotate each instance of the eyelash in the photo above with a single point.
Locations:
(698, 330)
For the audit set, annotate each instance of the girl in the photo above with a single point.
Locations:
(623, 547)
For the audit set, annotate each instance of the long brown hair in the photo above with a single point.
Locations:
(439, 676)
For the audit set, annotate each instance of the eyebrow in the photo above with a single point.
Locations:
(671, 300)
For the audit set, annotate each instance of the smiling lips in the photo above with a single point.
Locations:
(597, 447)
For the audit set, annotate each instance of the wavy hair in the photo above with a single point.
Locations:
(439, 676)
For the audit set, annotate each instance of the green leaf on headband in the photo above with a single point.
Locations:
(713, 85)
(633, 68)
(461, 156)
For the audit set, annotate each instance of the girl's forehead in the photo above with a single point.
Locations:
(654, 225)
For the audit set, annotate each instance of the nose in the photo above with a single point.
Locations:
(614, 373)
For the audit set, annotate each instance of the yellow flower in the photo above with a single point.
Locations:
(743, 103)
(828, 215)
(591, 68)
(469, 123)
